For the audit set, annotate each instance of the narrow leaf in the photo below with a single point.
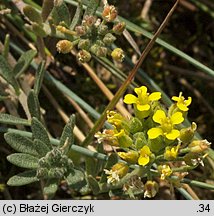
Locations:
(6, 46)
(39, 77)
(92, 7)
(77, 17)
(13, 120)
(91, 165)
(7, 73)
(47, 7)
(33, 104)
(40, 132)
(24, 62)
(41, 148)
(60, 13)
(67, 134)
(20, 143)
(24, 178)
(93, 185)
(23, 160)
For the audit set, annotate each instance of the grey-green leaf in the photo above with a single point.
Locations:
(41, 148)
(92, 7)
(40, 132)
(33, 104)
(32, 14)
(13, 120)
(60, 13)
(93, 184)
(50, 188)
(39, 77)
(23, 178)
(23, 62)
(7, 73)
(20, 143)
(23, 160)
(77, 17)
(76, 180)
(67, 134)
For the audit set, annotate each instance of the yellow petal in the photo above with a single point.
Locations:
(182, 107)
(175, 98)
(177, 118)
(159, 116)
(154, 133)
(173, 134)
(155, 96)
(130, 99)
(145, 107)
(141, 90)
(188, 101)
(143, 160)
(145, 151)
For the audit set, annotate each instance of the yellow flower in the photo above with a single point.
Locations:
(165, 171)
(150, 189)
(166, 125)
(171, 152)
(118, 54)
(143, 100)
(182, 104)
(145, 154)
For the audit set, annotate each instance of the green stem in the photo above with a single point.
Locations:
(129, 79)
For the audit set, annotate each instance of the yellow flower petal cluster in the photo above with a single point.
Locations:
(182, 104)
(145, 154)
(171, 152)
(143, 98)
(166, 125)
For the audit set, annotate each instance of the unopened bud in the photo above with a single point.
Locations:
(187, 134)
(109, 39)
(80, 30)
(103, 29)
(109, 13)
(124, 140)
(150, 189)
(83, 56)
(89, 20)
(199, 146)
(84, 44)
(140, 140)
(121, 169)
(64, 46)
(130, 156)
(135, 125)
(118, 54)
(119, 28)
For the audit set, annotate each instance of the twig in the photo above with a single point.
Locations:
(129, 79)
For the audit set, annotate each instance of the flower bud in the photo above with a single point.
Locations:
(187, 134)
(135, 125)
(64, 46)
(150, 189)
(130, 156)
(124, 140)
(171, 153)
(199, 146)
(89, 20)
(140, 140)
(80, 30)
(118, 54)
(103, 29)
(83, 56)
(99, 50)
(84, 44)
(109, 13)
(109, 39)
(121, 169)
(119, 28)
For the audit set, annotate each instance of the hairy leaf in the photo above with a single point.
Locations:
(13, 120)
(40, 132)
(33, 104)
(24, 62)
(23, 178)
(76, 180)
(50, 188)
(23, 160)
(41, 148)
(93, 184)
(20, 143)
(39, 77)
(32, 14)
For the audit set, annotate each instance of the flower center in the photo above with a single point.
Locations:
(143, 99)
(166, 125)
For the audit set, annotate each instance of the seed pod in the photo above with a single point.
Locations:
(187, 134)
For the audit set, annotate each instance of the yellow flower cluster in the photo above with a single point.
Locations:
(154, 137)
